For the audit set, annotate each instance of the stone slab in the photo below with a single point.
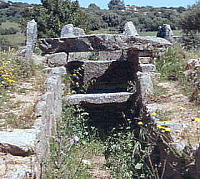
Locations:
(103, 98)
(148, 68)
(102, 76)
(18, 142)
(101, 42)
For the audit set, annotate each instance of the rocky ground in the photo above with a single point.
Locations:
(16, 118)
(97, 169)
(176, 112)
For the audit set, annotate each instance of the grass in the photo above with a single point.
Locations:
(154, 33)
(8, 24)
(101, 31)
(66, 158)
(13, 40)
(18, 79)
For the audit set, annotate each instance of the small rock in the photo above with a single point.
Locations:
(86, 162)
(19, 142)
(71, 31)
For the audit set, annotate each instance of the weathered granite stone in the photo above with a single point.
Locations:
(49, 111)
(116, 55)
(148, 68)
(129, 29)
(145, 60)
(103, 98)
(38, 59)
(71, 31)
(78, 31)
(31, 34)
(102, 76)
(102, 42)
(145, 85)
(67, 31)
(58, 71)
(56, 59)
(79, 56)
(102, 55)
(18, 142)
(165, 32)
(40, 108)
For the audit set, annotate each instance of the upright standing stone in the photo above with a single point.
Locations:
(31, 34)
(165, 32)
(129, 29)
(70, 31)
(67, 31)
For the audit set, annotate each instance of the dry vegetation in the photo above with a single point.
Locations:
(21, 86)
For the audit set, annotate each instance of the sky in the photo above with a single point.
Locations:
(103, 3)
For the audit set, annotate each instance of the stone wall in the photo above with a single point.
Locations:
(113, 87)
(48, 111)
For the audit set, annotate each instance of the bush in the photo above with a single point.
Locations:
(170, 65)
(13, 69)
(53, 15)
(190, 24)
(8, 31)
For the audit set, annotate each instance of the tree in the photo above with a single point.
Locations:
(190, 24)
(53, 15)
(116, 5)
(93, 6)
(190, 21)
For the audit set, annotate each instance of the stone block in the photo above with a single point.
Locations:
(129, 29)
(147, 68)
(18, 142)
(145, 60)
(145, 85)
(57, 59)
(102, 76)
(70, 31)
(102, 42)
(103, 98)
(31, 34)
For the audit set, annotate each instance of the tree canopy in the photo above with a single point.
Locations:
(190, 21)
(116, 5)
(54, 14)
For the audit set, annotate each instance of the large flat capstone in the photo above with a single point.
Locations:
(103, 98)
(101, 42)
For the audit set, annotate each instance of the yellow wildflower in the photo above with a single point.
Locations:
(181, 108)
(160, 127)
(197, 119)
(5, 75)
(140, 123)
(178, 131)
(11, 81)
(167, 129)
(154, 113)
(15, 160)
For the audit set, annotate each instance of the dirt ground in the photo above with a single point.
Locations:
(175, 108)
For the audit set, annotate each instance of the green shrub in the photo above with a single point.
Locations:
(8, 31)
(171, 64)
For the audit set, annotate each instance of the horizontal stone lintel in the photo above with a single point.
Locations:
(101, 42)
(103, 98)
